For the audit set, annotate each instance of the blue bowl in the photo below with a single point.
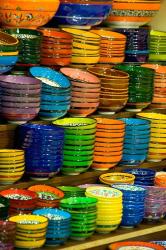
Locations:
(131, 221)
(141, 172)
(8, 60)
(4, 69)
(54, 107)
(131, 158)
(56, 98)
(43, 129)
(134, 140)
(137, 133)
(47, 89)
(81, 14)
(135, 122)
(136, 146)
(52, 115)
(134, 151)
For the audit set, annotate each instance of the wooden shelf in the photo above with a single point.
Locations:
(100, 240)
(88, 177)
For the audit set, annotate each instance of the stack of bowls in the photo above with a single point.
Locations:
(112, 46)
(7, 235)
(157, 146)
(56, 47)
(133, 204)
(155, 203)
(79, 144)
(159, 95)
(27, 14)
(79, 14)
(143, 176)
(109, 207)
(141, 245)
(12, 165)
(113, 178)
(58, 230)
(85, 46)
(47, 196)
(108, 143)
(43, 145)
(132, 14)
(85, 91)
(21, 201)
(160, 180)
(140, 86)
(83, 212)
(157, 46)
(4, 206)
(136, 141)
(160, 243)
(70, 191)
(29, 46)
(136, 45)
(8, 52)
(30, 230)
(20, 98)
(55, 98)
(111, 99)
(7, 135)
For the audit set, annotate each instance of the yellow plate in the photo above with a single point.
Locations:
(10, 174)
(12, 158)
(153, 116)
(29, 244)
(11, 152)
(11, 165)
(19, 219)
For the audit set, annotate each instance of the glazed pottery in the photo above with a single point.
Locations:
(70, 191)
(160, 180)
(156, 46)
(113, 178)
(135, 245)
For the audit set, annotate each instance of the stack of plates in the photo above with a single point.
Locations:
(157, 46)
(155, 203)
(108, 143)
(137, 44)
(55, 97)
(109, 207)
(59, 221)
(4, 206)
(20, 98)
(111, 99)
(8, 52)
(133, 204)
(29, 47)
(113, 178)
(56, 47)
(140, 86)
(157, 146)
(47, 196)
(159, 95)
(135, 245)
(70, 191)
(112, 46)
(7, 135)
(21, 201)
(30, 231)
(85, 91)
(12, 165)
(79, 144)
(83, 211)
(7, 235)
(43, 145)
(143, 176)
(136, 141)
(86, 46)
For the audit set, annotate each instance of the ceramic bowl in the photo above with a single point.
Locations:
(38, 17)
(138, 244)
(117, 178)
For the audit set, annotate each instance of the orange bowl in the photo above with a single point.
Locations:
(27, 14)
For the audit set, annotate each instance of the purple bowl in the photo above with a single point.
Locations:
(136, 58)
(22, 92)
(19, 99)
(19, 118)
(14, 111)
(21, 105)
(23, 80)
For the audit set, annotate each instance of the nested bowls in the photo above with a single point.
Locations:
(43, 145)
(59, 221)
(83, 212)
(157, 146)
(140, 86)
(30, 231)
(48, 197)
(21, 201)
(56, 47)
(112, 46)
(136, 141)
(157, 46)
(85, 91)
(20, 101)
(79, 144)
(108, 143)
(7, 235)
(111, 100)
(29, 45)
(55, 97)
(29, 14)
(81, 14)
(85, 46)
(113, 178)
(109, 207)
(12, 165)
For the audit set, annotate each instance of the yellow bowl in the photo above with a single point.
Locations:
(157, 145)
(82, 33)
(29, 244)
(12, 158)
(153, 116)
(11, 170)
(31, 234)
(104, 193)
(109, 217)
(85, 46)
(106, 229)
(157, 151)
(10, 152)
(41, 221)
(157, 139)
(158, 135)
(157, 33)
(85, 59)
(10, 165)
(111, 178)
(10, 174)
(158, 125)
(108, 222)
(158, 130)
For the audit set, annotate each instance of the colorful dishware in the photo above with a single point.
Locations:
(135, 244)
(113, 178)
(71, 191)
(157, 46)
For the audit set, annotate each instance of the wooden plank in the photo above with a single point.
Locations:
(88, 177)
(120, 235)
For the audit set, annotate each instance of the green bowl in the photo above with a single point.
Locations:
(135, 69)
(81, 236)
(79, 202)
(73, 171)
(78, 158)
(79, 143)
(78, 163)
(71, 189)
(80, 132)
(78, 152)
(8, 48)
(76, 123)
(84, 217)
(158, 57)
(80, 137)
(25, 34)
(79, 148)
